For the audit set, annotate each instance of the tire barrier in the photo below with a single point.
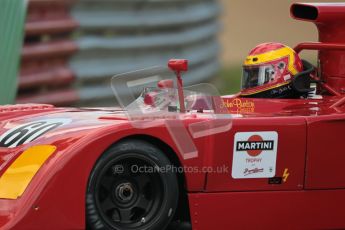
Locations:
(45, 76)
(73, 48)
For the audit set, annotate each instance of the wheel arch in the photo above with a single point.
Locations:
(183, 211)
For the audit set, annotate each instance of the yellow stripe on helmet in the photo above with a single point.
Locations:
(262, 90)
(272, 56)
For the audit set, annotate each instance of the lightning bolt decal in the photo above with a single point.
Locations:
(286, 174)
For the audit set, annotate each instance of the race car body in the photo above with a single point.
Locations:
(55, 197)
(246, 163)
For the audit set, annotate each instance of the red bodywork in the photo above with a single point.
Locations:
(309, 159)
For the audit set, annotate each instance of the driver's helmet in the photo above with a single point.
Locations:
(268, 71)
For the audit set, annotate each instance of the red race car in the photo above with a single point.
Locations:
(183, 158)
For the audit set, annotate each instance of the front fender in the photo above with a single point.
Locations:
(55, 198)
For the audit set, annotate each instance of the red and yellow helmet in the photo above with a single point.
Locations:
(268, 71)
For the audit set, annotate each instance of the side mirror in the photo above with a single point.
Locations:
(178, 65)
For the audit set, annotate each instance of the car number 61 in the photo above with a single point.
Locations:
(28, 132)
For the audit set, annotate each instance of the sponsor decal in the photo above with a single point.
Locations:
(280, 90)
(252, 171)
(254, 146)
(25, 133)
(255, 154)
(275, 180)
(285, 174)
(238, 105)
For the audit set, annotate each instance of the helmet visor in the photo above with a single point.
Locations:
(257, 75)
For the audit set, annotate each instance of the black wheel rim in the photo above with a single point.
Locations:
(126, 197)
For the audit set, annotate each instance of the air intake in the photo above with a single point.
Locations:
(330, 21)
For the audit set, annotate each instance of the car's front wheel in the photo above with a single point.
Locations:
(130, 187)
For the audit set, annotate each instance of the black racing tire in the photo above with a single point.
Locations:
(120, 197)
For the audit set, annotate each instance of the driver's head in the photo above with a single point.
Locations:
(268, 71)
